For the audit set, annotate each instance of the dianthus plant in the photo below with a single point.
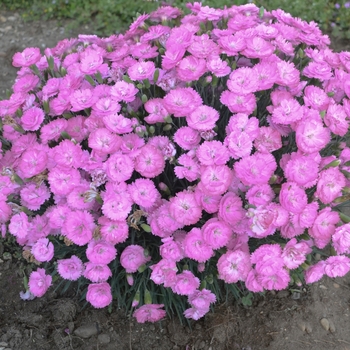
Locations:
(190, 150)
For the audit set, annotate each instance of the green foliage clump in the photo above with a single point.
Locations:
(111, 16)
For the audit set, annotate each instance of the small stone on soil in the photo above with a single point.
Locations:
(325, 324)
(104, 338)
(86, 331)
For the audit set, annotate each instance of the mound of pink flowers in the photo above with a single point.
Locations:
(191, 149)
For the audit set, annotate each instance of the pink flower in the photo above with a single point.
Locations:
(302, 170)
(104, 141)
(324, 227)
(182, 101)
(210, 203)
(239, 144)
(234, 266)
(330, 184)
(292, 197)
(157, 111)
(230, 208)
(187, 138)
(212, 153)
(27, 57)
(68, 154)
(123, 91)
(186, 283)
(195, 246)
(141, 70)
(336, 119)
(337, 266)
(70, 269)
(133, 257)
(63, 180)
(232, 44)
(119, 167)
(315, 272)
(39, 282)
(294, 253)
(217, 66)
(164, 272)
(100, 252)
(216, 179)
(143, 192)
(32, 118)
(90, 61)
(149, 313)
(203, 118)
(97, 272)
(184, 208)
(341, 239)
(257, 47)
(19, 225)
(113, 231)
(170, 249)
(150, 162)
(117, 206)
(99, 295)
(33, 196)
(318, 70)
(78, 227)
(43, 250)
(243, 81)
(266, 73)
(190, 168)
(260, 194)
(238, 103)
(256, 169)
(33, 162)
(201, 299)
(288, 111)
(53, 130)
(82, 99)
(311, 136)
(216, 233)
(316, 98)
(191, 68)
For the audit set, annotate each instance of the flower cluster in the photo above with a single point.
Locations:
(190, 148)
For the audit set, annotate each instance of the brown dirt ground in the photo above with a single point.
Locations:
(287, 320)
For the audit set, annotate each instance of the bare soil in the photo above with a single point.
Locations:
(287, 320)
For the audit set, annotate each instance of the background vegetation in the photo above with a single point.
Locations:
(111, 16)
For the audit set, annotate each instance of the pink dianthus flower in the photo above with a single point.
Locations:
(97, 273)
(43, 250)
(150, 162)
(143, 192)
(100, 252)
(292, 197)
(99, 295)
(149, 313)
(203, 118)
(216, 179)
(133, 257)
(234, 266)
(256, 169)
(70, 269)
(33, 196)
(182, 102)
(195, 246)
(330, 184)
(184, 208)
(78, 227)
(186, 283)
(187, 138)
(39, 282)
